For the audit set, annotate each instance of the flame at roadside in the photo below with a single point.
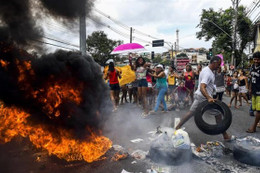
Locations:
(58, 101)
(14, 122)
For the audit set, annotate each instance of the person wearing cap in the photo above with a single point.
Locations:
(161, 85)
(205, 92)
(255, 90)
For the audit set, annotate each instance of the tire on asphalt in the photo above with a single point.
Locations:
(213, 129)
(246, 155)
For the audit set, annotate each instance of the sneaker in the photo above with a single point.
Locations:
(177, 109)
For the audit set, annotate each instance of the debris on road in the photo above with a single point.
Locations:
(119, 156)
(137, 140)
(124, 171)
(214, 153)
(139, 154)
(247, 150)
(171, 147)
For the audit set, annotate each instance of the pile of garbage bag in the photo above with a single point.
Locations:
(171, 147)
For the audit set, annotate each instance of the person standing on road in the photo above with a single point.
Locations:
(255, 90)
(189, 80)
(196, 76)
(161, 84)
(113, 76)
(140, 69)
(172, 76)
(243, 87)
(220, 83)
(234, 89)
(204, 92)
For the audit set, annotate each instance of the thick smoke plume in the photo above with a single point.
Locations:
(18, 24)
(79, 97)
(27, 81)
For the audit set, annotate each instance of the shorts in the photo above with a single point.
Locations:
(142, 83)
(256, 103)
(229, 87)
(114, 87)
(199, 99)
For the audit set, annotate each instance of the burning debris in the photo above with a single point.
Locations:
(52, 101)
(59, 101)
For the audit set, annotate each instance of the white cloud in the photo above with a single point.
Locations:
(158, 18)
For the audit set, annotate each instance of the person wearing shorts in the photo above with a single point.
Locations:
(255, 90)
(113, 76)
(204, 92)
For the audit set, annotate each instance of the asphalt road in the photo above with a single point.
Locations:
(124, 125)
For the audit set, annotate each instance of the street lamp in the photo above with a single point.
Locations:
(233, 43)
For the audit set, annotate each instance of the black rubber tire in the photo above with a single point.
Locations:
(250, 157)
(217, 128)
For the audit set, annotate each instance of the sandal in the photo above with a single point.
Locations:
(144, 115)
(250, 131)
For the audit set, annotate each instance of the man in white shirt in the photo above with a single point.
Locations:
(204, 91)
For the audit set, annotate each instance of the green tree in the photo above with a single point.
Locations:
(100, 47)
(157, 59)
(222, 42)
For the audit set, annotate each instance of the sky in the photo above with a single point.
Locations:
(150, 20)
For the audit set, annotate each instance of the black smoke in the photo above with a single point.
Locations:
(18, 21)
(60, 67)
(17, 30)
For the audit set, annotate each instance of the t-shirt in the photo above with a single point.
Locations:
(140, 73)
(113, 77)
(255, 80)
(207, 77)
(171, 79)
(219, 79)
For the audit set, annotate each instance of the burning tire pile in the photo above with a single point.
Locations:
(59, 100)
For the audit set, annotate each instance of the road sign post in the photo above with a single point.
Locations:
(158, 43)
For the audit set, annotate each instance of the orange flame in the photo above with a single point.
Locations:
(118, 156)
(13, 122)
(3, 63)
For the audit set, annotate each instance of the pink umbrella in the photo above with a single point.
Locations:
(222, 59)
(127, 48)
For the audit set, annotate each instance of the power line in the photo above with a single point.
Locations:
(123, 25)
(43, 42)
(60, 41)
(119, 32)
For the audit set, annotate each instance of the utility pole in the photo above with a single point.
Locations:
(82, 33)
(131, 32)
(235, 7)
(177, 40)
(172, 51)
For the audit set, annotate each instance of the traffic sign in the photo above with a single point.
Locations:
(158, 43)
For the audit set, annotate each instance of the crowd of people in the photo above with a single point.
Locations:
(155, 89)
